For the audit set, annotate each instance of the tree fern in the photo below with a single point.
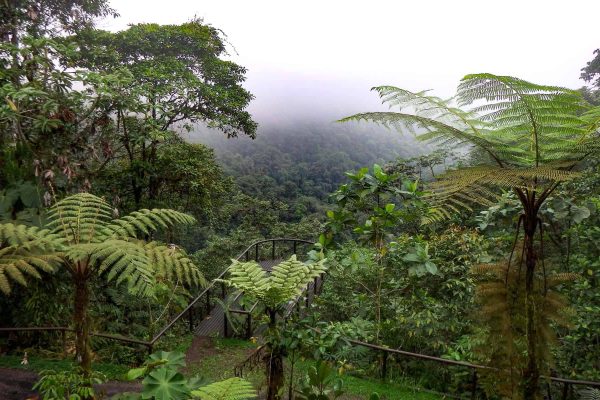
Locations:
(228, 389)
(530, 138)
(82, 236)
(534, 134)
(273, 291)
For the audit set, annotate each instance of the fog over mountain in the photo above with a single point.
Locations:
(293, 115)
(312, 62)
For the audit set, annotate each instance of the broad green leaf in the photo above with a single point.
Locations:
(165, 384)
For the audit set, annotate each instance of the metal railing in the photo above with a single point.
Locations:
(202, 305)
(567, 384)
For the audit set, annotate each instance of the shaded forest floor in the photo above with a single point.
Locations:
(210, 358)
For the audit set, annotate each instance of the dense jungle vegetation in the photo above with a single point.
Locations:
(132, 173)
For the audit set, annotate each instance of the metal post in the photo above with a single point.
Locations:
(208, 302)
(565, 391)
(256, 252)
(225, 322)
(295, 246)
(249, 326)
(474, 385)
(273, 251)
(191, 319)
(384, 365)
(247, 255)
(63, 334)
(150, 349)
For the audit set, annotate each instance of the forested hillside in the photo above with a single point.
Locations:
(302, 162)
(163, 224)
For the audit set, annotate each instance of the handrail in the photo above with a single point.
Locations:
(220, 276)
(150, 344)
(238, 369)
(463, 363)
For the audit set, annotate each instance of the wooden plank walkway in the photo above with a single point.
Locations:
(214, 323)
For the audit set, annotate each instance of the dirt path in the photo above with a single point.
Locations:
(16, 384)
(201, 347)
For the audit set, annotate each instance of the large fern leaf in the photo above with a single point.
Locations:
(534, 135)
(25, 251)
(83, 236)
(228, 389)
(286, 281)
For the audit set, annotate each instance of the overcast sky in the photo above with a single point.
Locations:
(322, 57)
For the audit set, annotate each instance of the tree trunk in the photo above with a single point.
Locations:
(531, 374)
(274, 362)
(82, 326)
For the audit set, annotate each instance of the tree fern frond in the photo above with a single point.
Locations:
(25, 251)
(286, 281)
(172, 263)
(145, 221)
(78, 218)
(228, 389)
(523, 127)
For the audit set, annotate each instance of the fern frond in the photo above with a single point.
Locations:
(523, 128)
(172, 263)
(228, 389)
(145, 221)
(78, 218)
(286, 281)
(25, 251)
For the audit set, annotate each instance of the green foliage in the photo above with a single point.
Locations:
(426, 313)
(163, 381)
(321, 383)
(68, 385)
(532, 134)
(302, 176)
(91, 241)
(165, 384)
(24, 251)
(373, 206)
(49, 17)
(285, 282)
(228, 389)
(180, 66)
(501, 294)
(420, 260)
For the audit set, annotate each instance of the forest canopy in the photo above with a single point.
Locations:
(151, 229)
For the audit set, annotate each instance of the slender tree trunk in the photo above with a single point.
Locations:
(82, 326)
(531, 373)
(274, 363)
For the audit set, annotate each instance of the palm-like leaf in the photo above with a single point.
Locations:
(533, 134)
(228, 389)
(24, 251)
(83, 236)
(286, 281)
